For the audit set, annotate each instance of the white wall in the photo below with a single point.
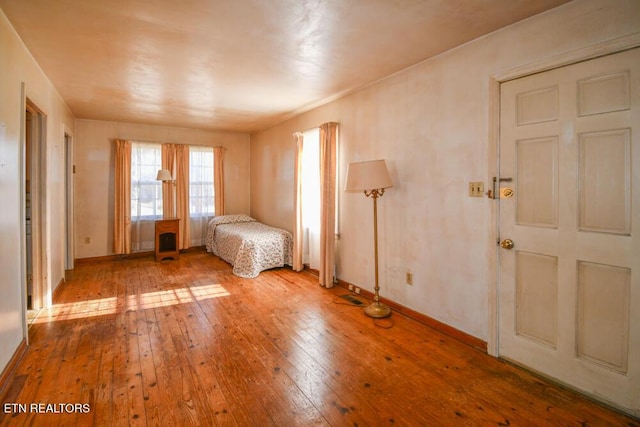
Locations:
(17, 67)
(432, 124)
(94, 179)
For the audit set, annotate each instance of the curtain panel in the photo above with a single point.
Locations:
(168, 162)
(122, 203)
(218, 179)
(182, 194)
(328, 157)
(298, 233)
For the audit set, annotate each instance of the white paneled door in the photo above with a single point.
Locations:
(569, 262)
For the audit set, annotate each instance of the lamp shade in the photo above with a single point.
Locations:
(369, 175)
(164, 175)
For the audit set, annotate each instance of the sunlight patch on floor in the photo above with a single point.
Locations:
(32, 315)
(147, 300)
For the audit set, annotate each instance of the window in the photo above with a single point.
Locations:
(146, 192)
(311, 198)
(201, 190)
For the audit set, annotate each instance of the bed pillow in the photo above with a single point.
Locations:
(229, 219)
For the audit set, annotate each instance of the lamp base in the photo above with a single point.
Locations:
(378, 310)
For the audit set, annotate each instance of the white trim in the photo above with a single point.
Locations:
(67, 140)
(597, 50)
(23, 213)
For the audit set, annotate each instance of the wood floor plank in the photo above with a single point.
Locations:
(186, 342)
(240, 359)
(302, 370)
(262, 366)
(277, 328)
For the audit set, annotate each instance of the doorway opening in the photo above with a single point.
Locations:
(34, 175)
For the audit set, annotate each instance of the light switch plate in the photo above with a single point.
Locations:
(476, 189)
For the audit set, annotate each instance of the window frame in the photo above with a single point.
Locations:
(137, 204)
(206, 150)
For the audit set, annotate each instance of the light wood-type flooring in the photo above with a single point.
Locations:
(186, 342)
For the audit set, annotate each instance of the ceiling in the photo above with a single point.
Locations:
(238, 65)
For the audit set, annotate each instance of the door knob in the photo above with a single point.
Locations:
(506, 244)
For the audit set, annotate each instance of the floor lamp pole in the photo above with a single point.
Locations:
(376, 309)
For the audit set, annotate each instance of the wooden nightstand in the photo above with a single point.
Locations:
(167, 238)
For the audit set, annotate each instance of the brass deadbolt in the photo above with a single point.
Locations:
(506, 193)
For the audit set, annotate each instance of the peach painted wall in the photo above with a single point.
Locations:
(432, 124)
(19, 67)
(94, 159)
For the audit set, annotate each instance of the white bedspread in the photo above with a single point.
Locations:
(248, 245)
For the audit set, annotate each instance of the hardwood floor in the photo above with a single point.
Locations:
(185, 342)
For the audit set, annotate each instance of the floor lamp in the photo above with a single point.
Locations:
(372, 177)
(165, 176)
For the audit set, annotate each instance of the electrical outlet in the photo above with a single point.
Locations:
(357, 290)
(351, 288)
(476, 189)
(409, 278)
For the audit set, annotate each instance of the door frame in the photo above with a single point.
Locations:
(69, 246)
(38, 191)
(597, 50)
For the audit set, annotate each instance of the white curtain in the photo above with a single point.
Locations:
(298, 226)
(146, 195)
(310, 203)
(201, 192)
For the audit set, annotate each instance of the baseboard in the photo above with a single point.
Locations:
(194, 249)
(58, 290)
(9, 371)
(116, 257)
(308, 269)
(423, 319)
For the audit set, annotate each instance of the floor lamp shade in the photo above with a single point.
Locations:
(372, 177)
(164, 175)
(369, 175)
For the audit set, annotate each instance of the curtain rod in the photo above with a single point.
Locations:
(174, 143)
(314, 127)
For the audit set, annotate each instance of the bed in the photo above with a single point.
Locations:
(248, 245)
